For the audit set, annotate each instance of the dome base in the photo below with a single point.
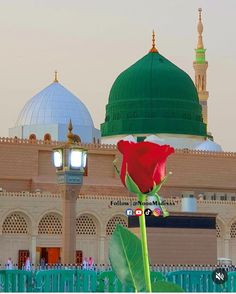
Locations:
(177, 141)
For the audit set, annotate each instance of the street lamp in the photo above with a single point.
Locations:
(70, 161)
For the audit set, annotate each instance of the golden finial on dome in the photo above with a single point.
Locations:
(70, 135)
(153, 49)
(200, 13)
(200, 29)
(55, 77)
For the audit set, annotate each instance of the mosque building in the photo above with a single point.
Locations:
(154, 96)
(46, 115)
(152, 100)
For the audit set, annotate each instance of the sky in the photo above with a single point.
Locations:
(91, 42)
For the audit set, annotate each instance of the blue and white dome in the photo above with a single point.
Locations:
(209, 145)
(47, 114)
(54, 105)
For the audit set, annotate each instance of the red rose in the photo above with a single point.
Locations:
(145, 163)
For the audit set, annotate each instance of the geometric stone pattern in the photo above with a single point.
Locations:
(111, 225)
(50, 224)
(15, 224)
(218, 231)
(85, 225)
(233, 230)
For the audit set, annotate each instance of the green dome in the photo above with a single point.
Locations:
(153, 96)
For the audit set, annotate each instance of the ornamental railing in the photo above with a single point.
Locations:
(99, 268)
(77, 280)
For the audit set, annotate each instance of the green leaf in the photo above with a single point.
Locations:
(131, 185)
(125, 253)
(162, 286)
(156, 187)
(156, 276)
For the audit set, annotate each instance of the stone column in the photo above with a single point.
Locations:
(69, 197)
(33, 249)
(102, 249)
(226, 248)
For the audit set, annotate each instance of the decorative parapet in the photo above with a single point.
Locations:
(7, 140)
(106, 197)
(217, 202)
(206, 153)
(28, 194)
(91, 146)
(168, 201)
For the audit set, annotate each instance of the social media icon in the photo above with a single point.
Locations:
(219, 276)
(138, 212)
(157, 212)
(148, 211)
(129, 212)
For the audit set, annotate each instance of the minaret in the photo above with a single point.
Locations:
(200, 66)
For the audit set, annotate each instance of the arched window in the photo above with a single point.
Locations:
(111, 225)
(32, 137)
(47, 137)
(233, 230)
(50, 224)
(15, 223)
(85, 225)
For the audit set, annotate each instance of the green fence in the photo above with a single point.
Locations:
(65, 281)
(15, 281)
(201, 281)
(72, 280)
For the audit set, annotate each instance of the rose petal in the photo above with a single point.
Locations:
(145, 162)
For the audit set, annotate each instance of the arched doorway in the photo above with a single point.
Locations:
(49, 230)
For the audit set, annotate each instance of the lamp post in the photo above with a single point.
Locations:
(70, 161)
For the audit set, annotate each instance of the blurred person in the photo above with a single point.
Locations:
(9, 264)
(85, 263)
(90, 263)
(27, 264)
(42, 263)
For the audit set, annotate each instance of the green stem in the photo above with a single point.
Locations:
(142, 223)
(165, 213)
